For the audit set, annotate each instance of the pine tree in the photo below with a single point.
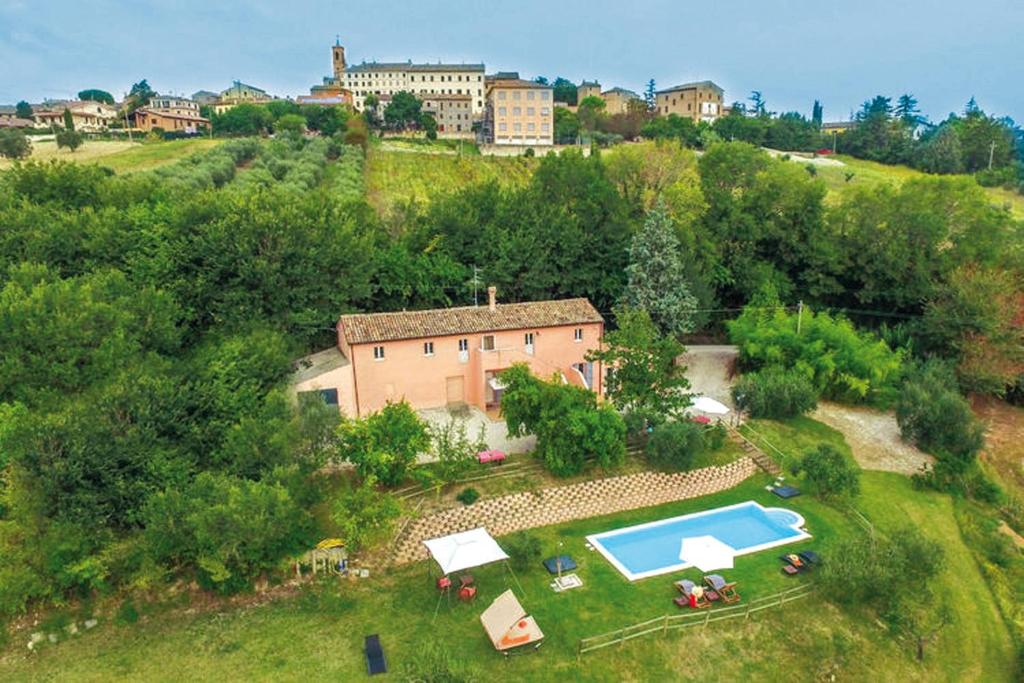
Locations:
(907, 110)
(657, 277)
(817, 112)
(649, 96)
(69, 120)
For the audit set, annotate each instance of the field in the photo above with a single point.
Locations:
(395, 178)
(121, 156)
(318, 632)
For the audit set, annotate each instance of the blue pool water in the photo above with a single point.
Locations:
(653, 548)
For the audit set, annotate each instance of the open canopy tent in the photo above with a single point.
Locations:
(507, 624)
(464, 550)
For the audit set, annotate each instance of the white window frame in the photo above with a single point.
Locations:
(428, 348)
(378, 353)
(463, 345)
(577, 334)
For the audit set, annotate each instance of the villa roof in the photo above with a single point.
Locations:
(409, 66)
(621, 91)
(368, 328)
(692, 86)
(592, 84)
(518, 83)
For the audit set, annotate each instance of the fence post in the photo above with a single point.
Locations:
(622, 636)
(707, 618)
(664, 629)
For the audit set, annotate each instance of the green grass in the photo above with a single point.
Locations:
(120, 155)
(317, 632)
(396, 178)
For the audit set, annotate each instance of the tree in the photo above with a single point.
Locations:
(363, 514)
(356, 132)
(403, 111)
(934, 416)
(290, 123)
(429, 125)
(830, 472)
(775, 393)
(672, 126)
(646, 382)
(69, 120)
(243, 120)
(567, 126)
(384, 444)
(817, 112)
(657, 280)
(675, 445)
(140, 95)
(590, 112)
(71, 139)
(14, 144)
(564, 90)
(23, 110)
(758, 107)
(907, 111)
(569, 424)
(941, 152)
(650, 96)
(95, 95)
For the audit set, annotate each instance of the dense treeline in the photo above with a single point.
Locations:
(148, 321)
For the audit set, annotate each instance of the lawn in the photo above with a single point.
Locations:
(120, 155)
(318, 633)
(396, 177)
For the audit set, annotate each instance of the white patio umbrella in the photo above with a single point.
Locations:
(706, 553)
(709, 406)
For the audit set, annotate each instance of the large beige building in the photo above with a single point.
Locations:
(587, 89)
(240, 93)
(170, 114)
(384, 79)
(518, 112)
(700, 101)
(453, 113)
(88, 116)
(619, 100)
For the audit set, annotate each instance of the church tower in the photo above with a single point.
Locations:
(338, 55)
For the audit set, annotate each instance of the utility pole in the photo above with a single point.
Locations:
(476, 283)
(991, 153)
(799, 315)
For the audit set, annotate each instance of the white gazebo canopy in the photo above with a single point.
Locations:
(464, 550)
(706, 553)
(710, 406)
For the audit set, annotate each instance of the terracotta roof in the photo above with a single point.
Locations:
(409, 66)
(517, 83)
(622, 91)
(378, 327)
(692, 86)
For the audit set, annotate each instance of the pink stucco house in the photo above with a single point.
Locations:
(453, 356)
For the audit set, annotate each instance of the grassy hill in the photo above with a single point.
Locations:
(120, 155)
(318, 630)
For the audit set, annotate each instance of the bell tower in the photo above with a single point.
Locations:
(338, 59)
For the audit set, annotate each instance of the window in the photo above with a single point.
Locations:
(330, 396)
(544, 111)
(577, 334)
(530, 111)
(528, 338)
(531, 126)
(529, 95)
(378, 353)
(502, 111)
(503, 126)
(545, 94)
(428, 348)
(545, 127)
(487, 342)
(501, 94)
(517, 127)
(517, 111)
(463, 345)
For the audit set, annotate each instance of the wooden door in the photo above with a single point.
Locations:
(455, 389)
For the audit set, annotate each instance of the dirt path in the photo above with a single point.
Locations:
(1004, 439)
(874, 438)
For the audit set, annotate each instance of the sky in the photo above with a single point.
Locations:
(793, 51)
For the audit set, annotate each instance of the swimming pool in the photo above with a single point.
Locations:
(653, 548)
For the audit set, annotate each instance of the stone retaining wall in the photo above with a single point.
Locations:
(566, 503)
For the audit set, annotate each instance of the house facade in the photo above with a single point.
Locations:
(89, 117)
(240, 93)
(618, 100)
(700, 101)
(518, 112)
(453, 113)
(587, 89)
(453, 356)
(170, 114)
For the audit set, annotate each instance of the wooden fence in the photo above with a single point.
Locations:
(690, 619)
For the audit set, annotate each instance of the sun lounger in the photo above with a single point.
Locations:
(375, 662)
(796, 562)
(690, 599)
(726, 590)
(786, 491)
(810, 557)
(552, 564)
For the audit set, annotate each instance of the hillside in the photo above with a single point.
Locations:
(119, 155)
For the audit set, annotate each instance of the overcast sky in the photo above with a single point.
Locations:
(794, 51)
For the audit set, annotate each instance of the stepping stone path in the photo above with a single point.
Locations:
(561, 504)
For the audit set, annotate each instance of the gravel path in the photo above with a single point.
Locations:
(874, 438)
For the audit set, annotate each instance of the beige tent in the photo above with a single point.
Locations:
(508, 625)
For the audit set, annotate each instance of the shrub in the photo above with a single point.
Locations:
(14, 144)
(775, 393)
(832, 475)
(385, 443)
(714, 436)
(365, 515)
(523, 550)
(468, 496)
(935, 417)
(455, 452)
(675, 445)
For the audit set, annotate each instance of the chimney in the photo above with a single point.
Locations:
(492, 296)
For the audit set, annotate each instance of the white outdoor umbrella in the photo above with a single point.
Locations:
(706, 553)
(709, 405)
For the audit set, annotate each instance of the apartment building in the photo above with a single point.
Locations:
(170, 114)
(384, 79)
(453, 113)
(88, 116)
(587, 89)
(452, 356)
(700, 101)
(518, 112)
(619, 100)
